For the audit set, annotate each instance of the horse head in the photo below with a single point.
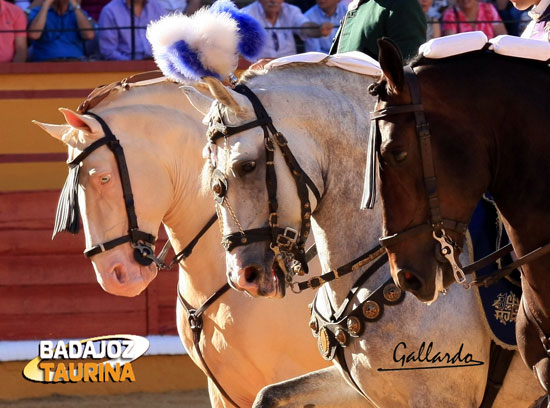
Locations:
(236, 171)
(419, 176)
(102, 203)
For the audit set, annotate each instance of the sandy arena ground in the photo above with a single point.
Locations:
(187, 399)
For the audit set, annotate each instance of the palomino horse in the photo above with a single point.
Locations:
(321, 112)
(246, 344)
(478, 139)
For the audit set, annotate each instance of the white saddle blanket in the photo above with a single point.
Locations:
(353, 61)
(507, 45)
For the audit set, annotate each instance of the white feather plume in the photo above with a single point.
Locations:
(213, 37)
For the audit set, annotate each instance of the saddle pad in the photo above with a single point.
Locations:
(353, 61)
(512, 46)
(508, 45)
(455, 44)
(500, 300)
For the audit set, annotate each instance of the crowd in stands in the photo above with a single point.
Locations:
(80, 30)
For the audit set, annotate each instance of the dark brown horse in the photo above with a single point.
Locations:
(482, 124)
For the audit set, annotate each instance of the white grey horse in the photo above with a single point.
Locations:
(246, 344)
(323, 113)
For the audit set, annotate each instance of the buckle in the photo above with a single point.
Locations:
(273, 219)
(423, 130)
(268, 142)
(195, 322)
(288, 238)
(280, 139)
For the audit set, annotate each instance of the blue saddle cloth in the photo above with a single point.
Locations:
(501, 300)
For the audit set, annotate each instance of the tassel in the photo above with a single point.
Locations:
(67, 214)
(369, 186)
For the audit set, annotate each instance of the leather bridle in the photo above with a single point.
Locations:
(67, 215)
(448, 248)
(439, 226)
(287, 243)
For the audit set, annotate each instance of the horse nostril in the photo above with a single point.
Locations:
(117, 271)
(410, 282)
(250, 273)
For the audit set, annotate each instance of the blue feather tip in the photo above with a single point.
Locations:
(252, 34)
(184, 63)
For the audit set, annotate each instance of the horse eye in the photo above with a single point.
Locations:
(105, 179)
(248, 166)
(399, 156)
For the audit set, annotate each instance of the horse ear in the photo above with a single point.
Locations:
(58, 132)
(231, 99)
(200, 101)
(84, 123)
(391, 63)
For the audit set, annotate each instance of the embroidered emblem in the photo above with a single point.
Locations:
(506, 307)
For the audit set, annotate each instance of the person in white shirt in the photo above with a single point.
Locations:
(329, 11)
(539, 27)
(276, 13)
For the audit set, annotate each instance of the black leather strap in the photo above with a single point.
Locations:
(194, 317)
(499, 362)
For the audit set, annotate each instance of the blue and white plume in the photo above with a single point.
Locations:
(207, 43)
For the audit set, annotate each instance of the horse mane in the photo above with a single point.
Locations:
(130, 90)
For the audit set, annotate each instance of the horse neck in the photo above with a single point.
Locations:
(204, 271)
(515, 141)
(332, 152)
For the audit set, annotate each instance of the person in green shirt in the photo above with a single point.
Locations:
(366, 21)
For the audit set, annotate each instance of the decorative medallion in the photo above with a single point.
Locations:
(324, 343)
(506, 307)
(354, 326)
(341, 337)
(391, 292)
(371, 309)
(313, 325)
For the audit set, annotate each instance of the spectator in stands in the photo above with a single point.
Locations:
(329, 11)
(540, 15)
(366, 21)
(432, 19)
(276, 13)
(185, 6)
(46, 27)
(510, 16)
(455, 18)
(116, 44)
(13, 45)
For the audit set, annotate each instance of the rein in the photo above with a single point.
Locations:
(287, 243)
(448, 248)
